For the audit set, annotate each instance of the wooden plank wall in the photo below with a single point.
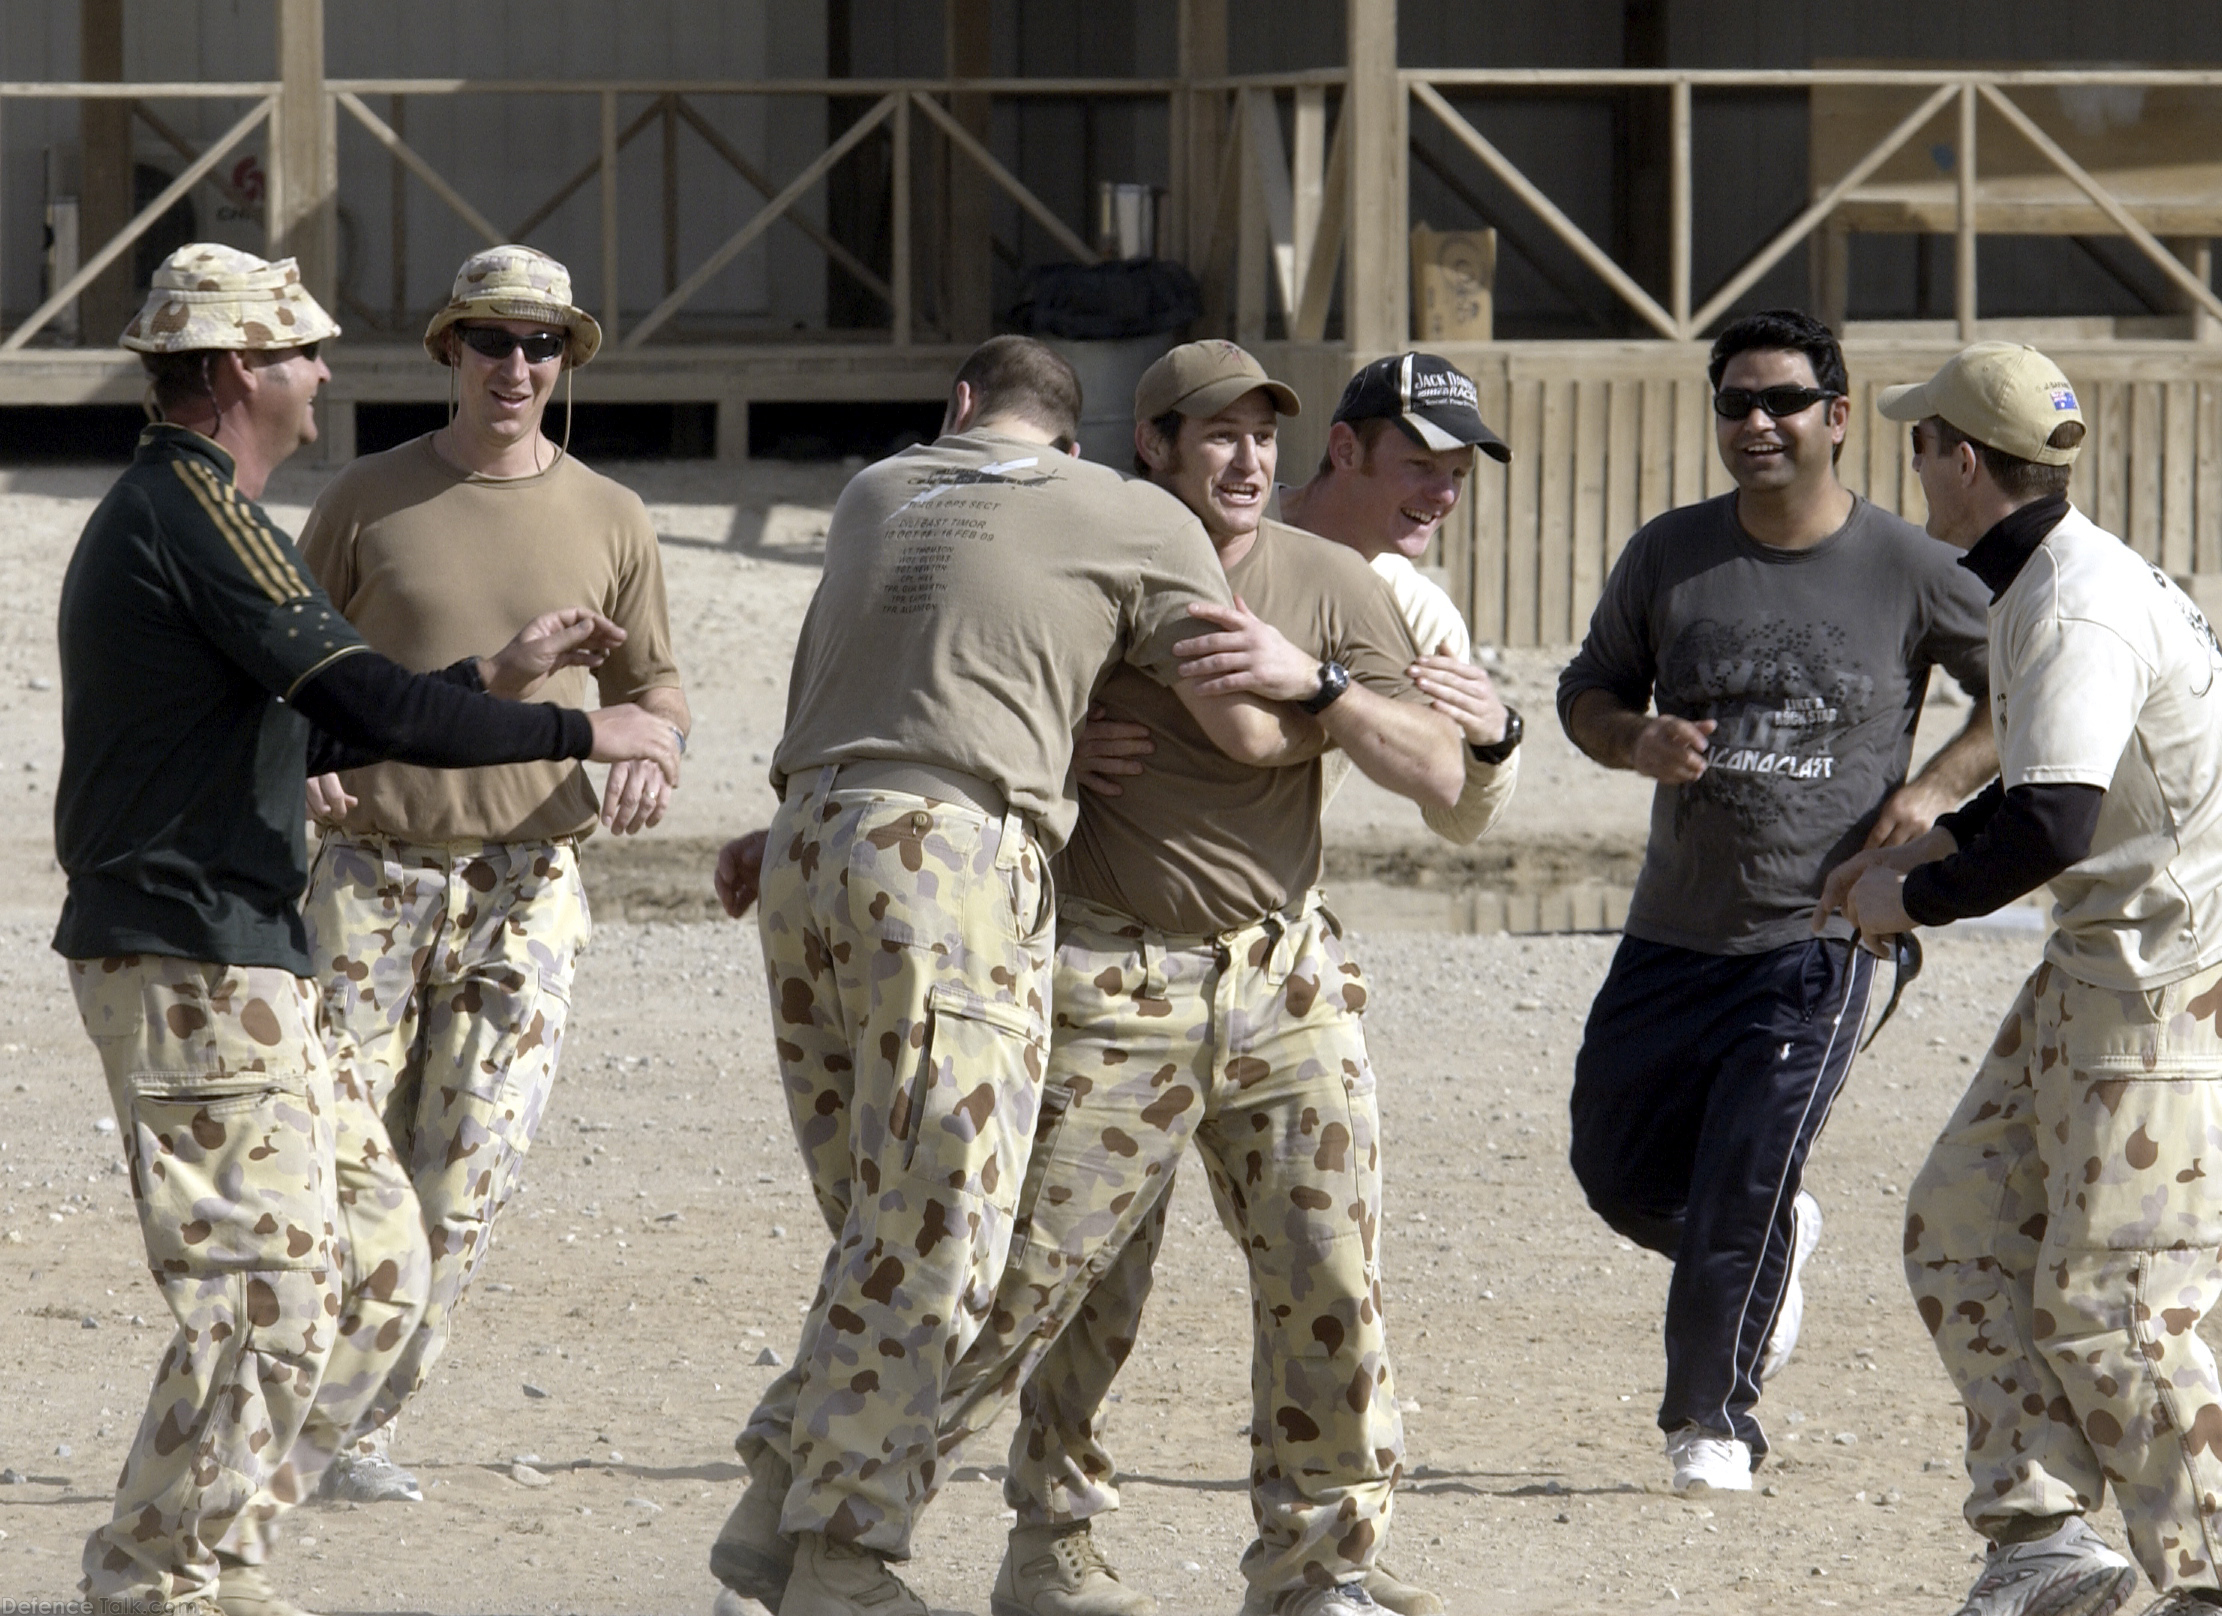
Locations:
(1607, 435)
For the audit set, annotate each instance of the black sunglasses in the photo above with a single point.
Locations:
(278, 356)
(497, 344)
(1734, 403)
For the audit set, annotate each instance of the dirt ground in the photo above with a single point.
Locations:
(655, 1266)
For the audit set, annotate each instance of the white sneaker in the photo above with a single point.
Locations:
(369, 1478)
(2070, 1573)
(1805, 1234)
(1704, 1462)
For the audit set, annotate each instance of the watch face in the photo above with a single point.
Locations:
(1497, 751)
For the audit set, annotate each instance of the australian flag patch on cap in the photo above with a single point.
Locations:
(2063, 398)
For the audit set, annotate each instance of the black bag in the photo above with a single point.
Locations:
(1138, 297)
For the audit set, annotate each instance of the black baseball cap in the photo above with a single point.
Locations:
(1431, 398)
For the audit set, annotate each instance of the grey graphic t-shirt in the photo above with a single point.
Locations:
(1813, 664)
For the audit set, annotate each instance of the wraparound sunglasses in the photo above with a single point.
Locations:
(1734, 403)
(497, 344)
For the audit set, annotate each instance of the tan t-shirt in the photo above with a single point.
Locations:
(1196, 842)
(433, 564)
(976, 589)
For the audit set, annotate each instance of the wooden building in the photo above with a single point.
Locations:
(824, 203)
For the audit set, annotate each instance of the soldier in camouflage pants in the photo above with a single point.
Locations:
(285, 1239)
(2061, 1244)
(896, 924)
(1249, 1044)
(446, 973)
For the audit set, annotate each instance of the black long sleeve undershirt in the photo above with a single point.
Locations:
(367, 709)
(2011, 842)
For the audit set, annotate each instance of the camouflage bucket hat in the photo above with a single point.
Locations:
(516, 283)
(211, 296)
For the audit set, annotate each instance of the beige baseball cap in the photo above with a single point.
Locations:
(516, 283)
(2000, 393)
(1203, 378)
(206, 295)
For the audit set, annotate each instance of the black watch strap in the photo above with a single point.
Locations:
(1334, 682)
(1498, 751)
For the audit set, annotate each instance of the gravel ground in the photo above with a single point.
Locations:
(665, 1242)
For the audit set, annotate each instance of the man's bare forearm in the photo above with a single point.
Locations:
(1412, 750)
(1606, 728)
(1963, 765)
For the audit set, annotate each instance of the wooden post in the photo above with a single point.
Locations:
(671, 193)
(104, 180)
(1198, 130)
(970, 278)
(898, 255)
(301, 206)
(2197, 255)
(397, 227)
(1963, 266)
(1377, 276)
(1307, 174)
(1252, 247)
(609, 217)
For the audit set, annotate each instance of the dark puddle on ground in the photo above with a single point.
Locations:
(1378, 906)
(1501, 887)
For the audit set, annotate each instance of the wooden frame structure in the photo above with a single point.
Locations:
(1289, 198)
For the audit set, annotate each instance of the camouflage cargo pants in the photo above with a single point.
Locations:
(446, 973)
(1251, 1045)
(2061, 1243)
(907, 944)
(286, 1243)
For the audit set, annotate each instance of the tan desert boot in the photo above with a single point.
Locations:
(840, 1579)
(751, 1556)
(1391, 1592)
(1059, 1571)
(245, 1590)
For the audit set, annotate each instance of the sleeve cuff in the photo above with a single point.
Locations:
(574, 731)
(1923, 903)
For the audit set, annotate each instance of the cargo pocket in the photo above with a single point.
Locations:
(2140, 1166)
(226, 1174)
(967, 1123)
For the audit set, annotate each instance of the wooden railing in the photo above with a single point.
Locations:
(1279, 218)
(200, 165)
(1962, 90)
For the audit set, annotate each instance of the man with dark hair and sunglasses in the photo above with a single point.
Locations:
(445, 910)
(1785, 633)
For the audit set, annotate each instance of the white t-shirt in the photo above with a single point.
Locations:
(1426, 606)
(1433, 618)
(2103, 673)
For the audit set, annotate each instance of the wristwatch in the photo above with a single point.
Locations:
(1334, 680)
(1498, 751)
